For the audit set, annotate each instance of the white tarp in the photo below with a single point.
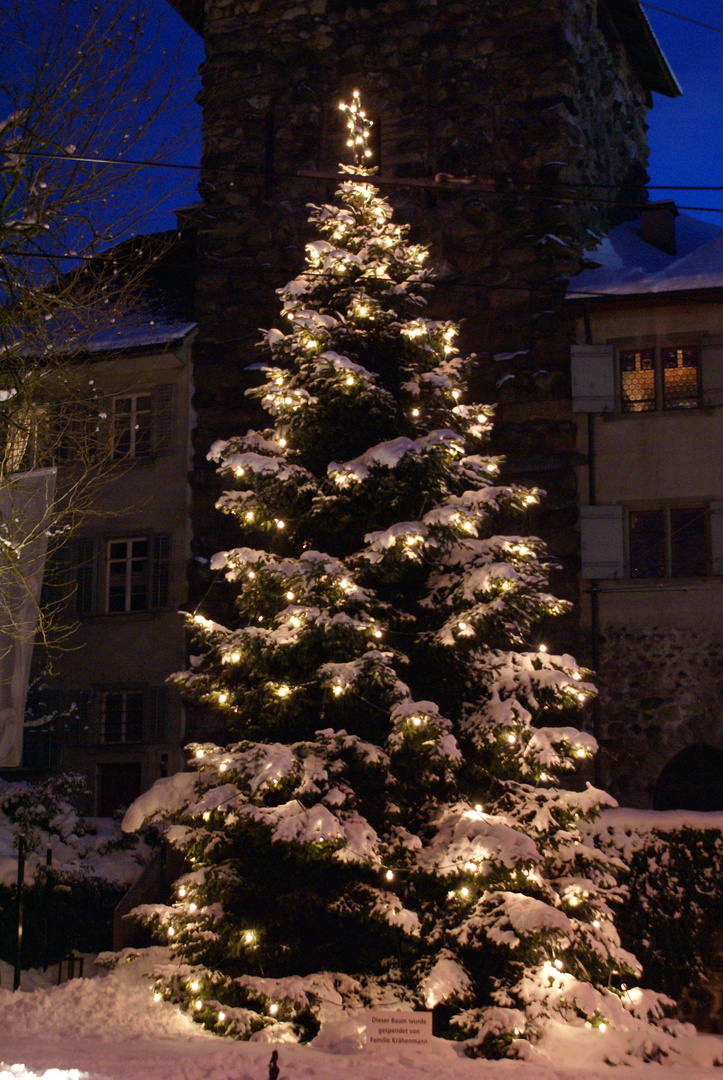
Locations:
(25, 501)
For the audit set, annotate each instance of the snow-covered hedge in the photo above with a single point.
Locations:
(93, 864)
(674, 876)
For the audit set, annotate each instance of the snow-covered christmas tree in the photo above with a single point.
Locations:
(387, 829)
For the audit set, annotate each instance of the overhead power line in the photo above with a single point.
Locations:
(562, 190)
(683, 18)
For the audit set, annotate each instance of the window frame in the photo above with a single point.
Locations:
(124, 694)
(667, 509)
(132, 453)
(128, 574)
(657, 346)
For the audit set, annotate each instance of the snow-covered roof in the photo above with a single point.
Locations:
(136, 333)
(628, 265)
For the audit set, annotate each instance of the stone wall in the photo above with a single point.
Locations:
(523, 95)
(660, 693)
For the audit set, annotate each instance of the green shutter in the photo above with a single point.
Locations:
(160, 598)
(164, 419)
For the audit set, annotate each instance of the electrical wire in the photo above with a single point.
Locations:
(683, 18)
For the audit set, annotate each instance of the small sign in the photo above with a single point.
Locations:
(410, 1029)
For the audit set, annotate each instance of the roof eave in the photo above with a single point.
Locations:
(637, 34)
(192, 11)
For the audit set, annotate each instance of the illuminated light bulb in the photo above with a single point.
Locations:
(558, 964)
(249, 937)
(344, 583)
(198, 1006)
(222, 1016)
(362, 310)
(193, 987)
(279, 381)
(464, 891)
(530, 500)
(377, 633)
(367, 153)
(542, 648)
(492, 468)
(289, 595)
(389, 875)
(603, 1027)
(456, 395)
(200, 619)
(239, 471)
(478, 808)
(480, 420)
(157, 996)
(249, 515)
(171, 931)
(337, 690)
(511, 739)
(283, 691)
(576, 675)
(517, 1031)
(417, 720)
(295, 621)
(199, 753)
(280, 524)
(282, 442)
(350, 380)
(415, 412)
(223, 698)
(273, 1008)
(259, 618)
(252, 574)
(223, 767)
(182, 891)
(543, 776)
(206, 815)
(573, 901)
(580, 697)
(288, 400)
(463, 626)
(193, 907)
(235, 657)
(580, 752)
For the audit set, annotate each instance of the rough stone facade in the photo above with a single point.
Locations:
(529, 98)
(660, 694)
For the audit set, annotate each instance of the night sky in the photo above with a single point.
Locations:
(686, 133)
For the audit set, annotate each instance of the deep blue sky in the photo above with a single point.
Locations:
(686, 133)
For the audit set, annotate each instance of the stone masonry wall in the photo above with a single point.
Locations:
(523, 95)
(660, 693)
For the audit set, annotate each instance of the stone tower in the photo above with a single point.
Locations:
(509, 133)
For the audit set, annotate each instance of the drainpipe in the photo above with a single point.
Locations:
(594, 590)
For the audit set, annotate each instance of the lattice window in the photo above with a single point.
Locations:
(121, 716)
(637, 378)
(661, 377)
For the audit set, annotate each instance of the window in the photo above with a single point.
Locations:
(652, 542)
(131, 424)
(668, 542)
(119, 576)
(660, 377)
(121, 716)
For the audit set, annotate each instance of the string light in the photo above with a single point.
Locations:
(193, 987)
(337, 690)
(289, 595)
(198, 1006)
(193, 907)
(542, 648)
(249, 515)
(182, 891)
(249, 937)
(273, 1008)
(223, 698)
(389, 875)
(283, 691)
(280, 524)
(157, 996)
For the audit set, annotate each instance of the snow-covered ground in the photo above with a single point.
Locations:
(107, 1026)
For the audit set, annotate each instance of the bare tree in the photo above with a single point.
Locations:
(83, 99)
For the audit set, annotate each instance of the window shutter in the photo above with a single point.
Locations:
(157, 714)
(716, 537)
(712, 370)
(83, 576)
(104, 427)
(161, 573)
(601, 535)
(164, 419)
(592, 369)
